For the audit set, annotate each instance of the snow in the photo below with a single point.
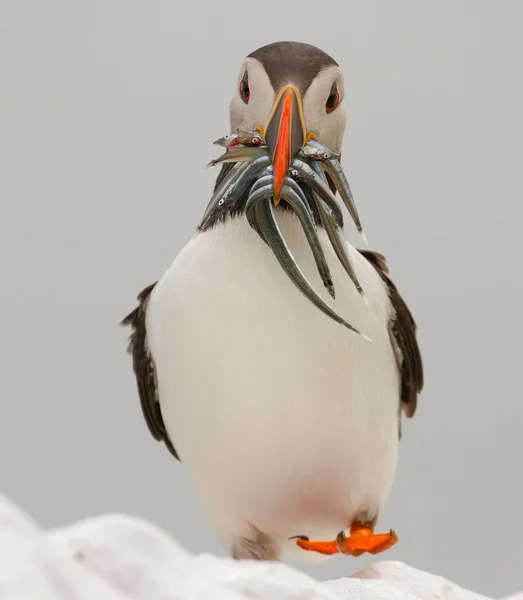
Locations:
(393, 579)
(119, 557)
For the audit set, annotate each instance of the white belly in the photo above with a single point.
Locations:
(282, 417)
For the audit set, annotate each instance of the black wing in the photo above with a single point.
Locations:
(402, 329)
(145, 371)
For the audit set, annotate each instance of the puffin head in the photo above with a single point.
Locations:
(291, 92)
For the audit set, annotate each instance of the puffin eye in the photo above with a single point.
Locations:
(333, 100)
(245, 92)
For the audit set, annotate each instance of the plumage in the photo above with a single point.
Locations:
(402, 329)
(303, 61)
(286, 422)
(145, 370)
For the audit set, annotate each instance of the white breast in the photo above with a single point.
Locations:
(282, 417)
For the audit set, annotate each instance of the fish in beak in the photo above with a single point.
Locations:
(285, 134)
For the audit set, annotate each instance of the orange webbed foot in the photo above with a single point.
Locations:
(322, 547)
(361, 539)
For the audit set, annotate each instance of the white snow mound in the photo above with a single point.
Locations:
(118, 557)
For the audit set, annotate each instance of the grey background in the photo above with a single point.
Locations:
(107, 113)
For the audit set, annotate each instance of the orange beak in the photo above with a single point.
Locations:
(285, 134)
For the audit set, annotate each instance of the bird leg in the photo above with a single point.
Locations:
(361, 539)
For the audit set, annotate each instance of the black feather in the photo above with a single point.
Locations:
(402, 329)
(145, 370)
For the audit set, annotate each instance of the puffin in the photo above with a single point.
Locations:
(287, 423)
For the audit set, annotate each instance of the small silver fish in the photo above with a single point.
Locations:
(303, 172)
(334, 170)
(294, 196)
(337, 241)
(314, 152)
(216, 199)
(239, 154)
(241, 184)
(225, 140)
(244, 138)
(249, 138)
(261, 217)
